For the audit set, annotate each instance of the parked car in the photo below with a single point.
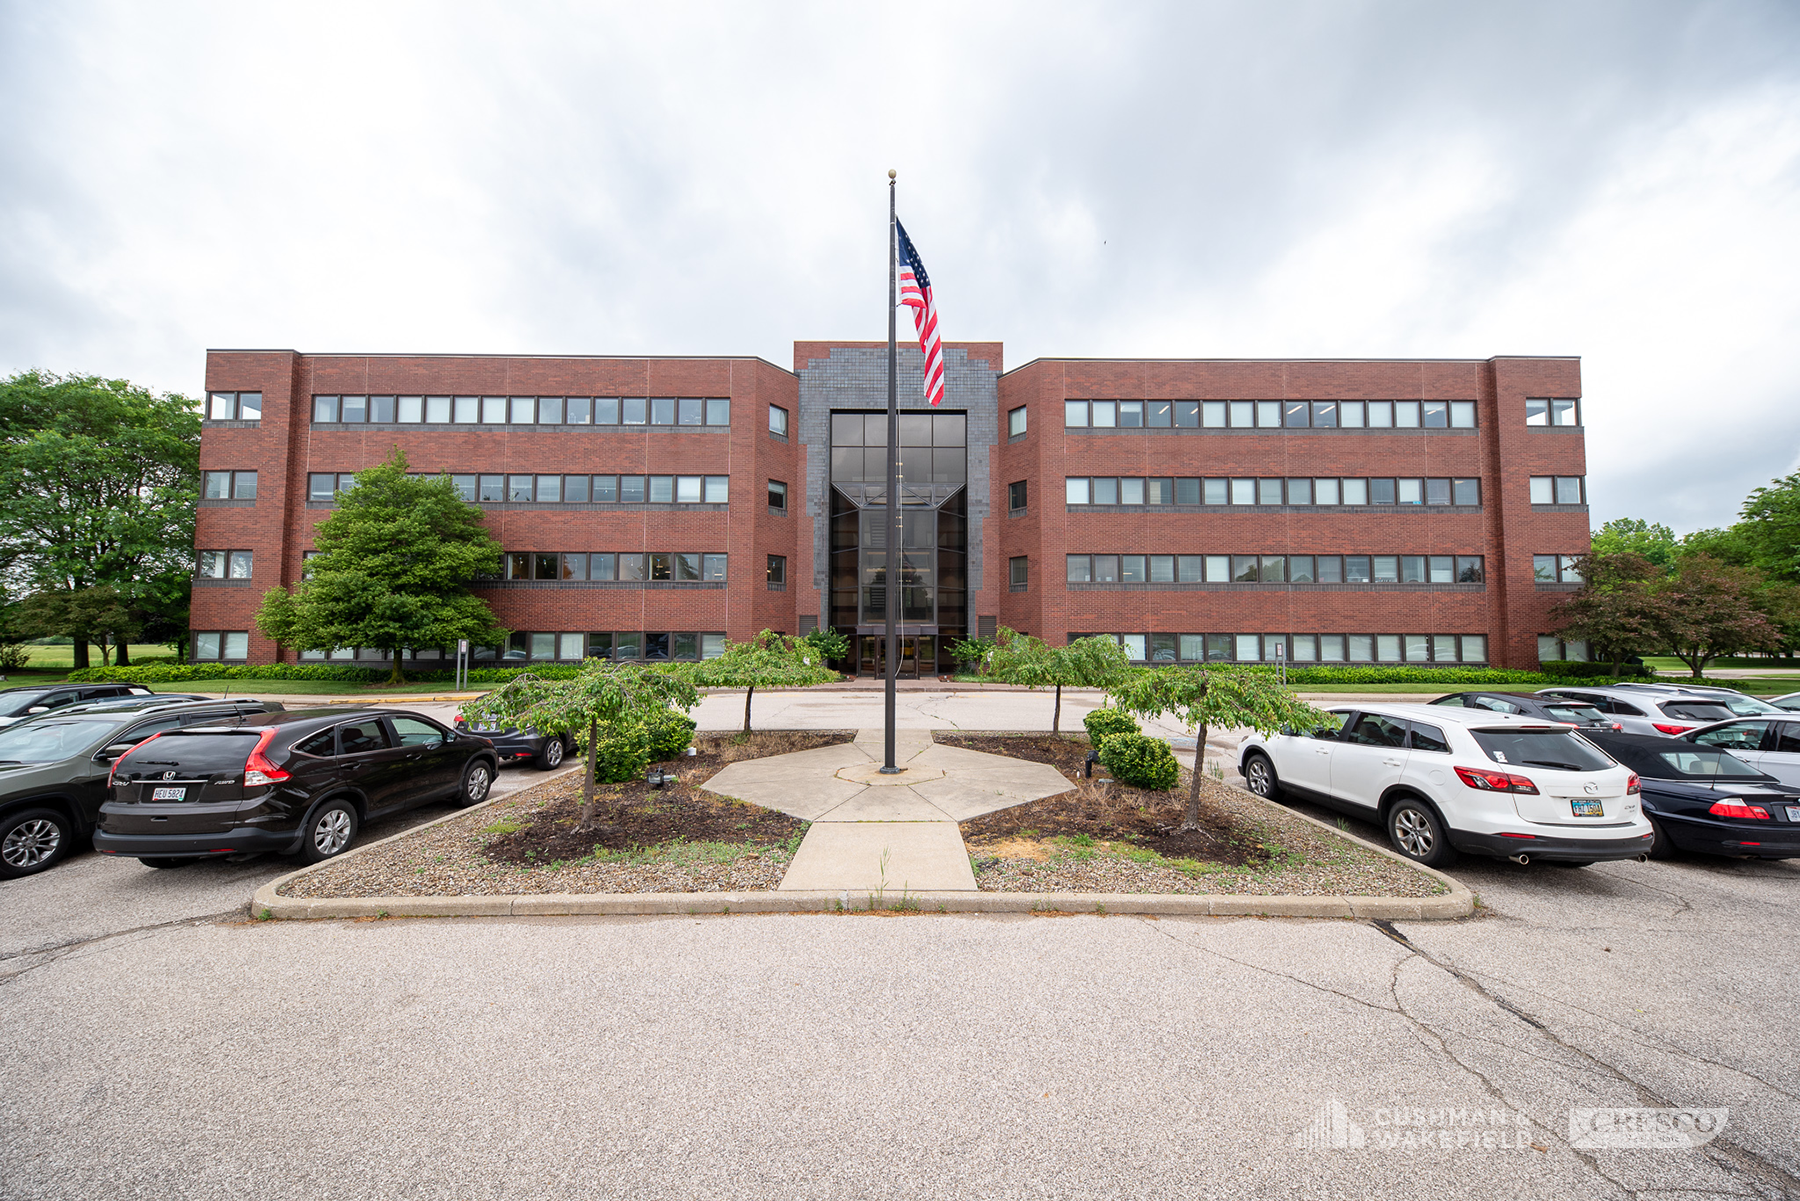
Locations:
(1740, 703)
(1789, 702)
(53, 769)
(1527, 704)
(29, 700)
(1647, 710)
(1442, 780)
(1708, 799)
(1769, 744)
(298, 783)
(513, 745)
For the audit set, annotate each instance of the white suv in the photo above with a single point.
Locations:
(1447, 780)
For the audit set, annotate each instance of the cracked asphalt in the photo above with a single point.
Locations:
(157, 1043)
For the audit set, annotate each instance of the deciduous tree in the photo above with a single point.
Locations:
(1093, 662)
(1619, 610)
(1712, 609)
(768, 660)
(1655, 543)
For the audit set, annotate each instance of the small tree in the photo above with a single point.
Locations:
(1094, 662)
(96, 615)
(1711, 609)
(826, 644)
(603, 695)
(1206, 698)
(768, 660)
(1618, 610)
(393, 570)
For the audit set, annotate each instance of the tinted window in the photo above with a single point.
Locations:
(323, 744)
(1580, 714)
(13, 704)
(1704, 763)
(196, 752)
(360, 737)
(1336, 728)
(1374, 730)
(1456, 701)
(1696, 711)
(48, 742)
(1429, 738)
(1787, 738)
(414, 732)
(1559, 749)
(1738, 736)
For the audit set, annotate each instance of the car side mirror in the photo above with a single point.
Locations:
(38, 709)
(115, 751)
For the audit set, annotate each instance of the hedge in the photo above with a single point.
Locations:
(174, 673)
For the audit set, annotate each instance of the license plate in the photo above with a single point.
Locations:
(1586, 808)
(1793, 813)
(168, 794)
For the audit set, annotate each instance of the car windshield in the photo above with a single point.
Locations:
(14, 704)
(1745, 706)
(52, 741)
(1558, 750)
(1585, 715)
(1703, 763)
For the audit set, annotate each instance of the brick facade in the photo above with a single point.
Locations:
(1509, 608)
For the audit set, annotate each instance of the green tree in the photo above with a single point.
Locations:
(1205, 698)
(1656, 544)
(393, 571)
(1728, 545)
(1770, 527)
(602, 700)
(768, 660)
(101, 479)
(97, 615)
(1619, 610)
(1093, 662)
(826, 644)
(1712, 609)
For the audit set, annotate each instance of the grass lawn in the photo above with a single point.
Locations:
(307, 688)
(48, 658)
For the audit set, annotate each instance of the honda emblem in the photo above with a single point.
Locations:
(168, 775)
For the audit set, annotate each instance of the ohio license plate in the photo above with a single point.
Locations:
(1793, 813)
(1586, 808)
(168, 794)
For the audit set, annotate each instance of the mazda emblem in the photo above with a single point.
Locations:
(1591, 788)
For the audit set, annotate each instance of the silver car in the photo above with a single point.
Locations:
(1649, 709)
(1740, 703)
(1790, 702)
(1769, 744)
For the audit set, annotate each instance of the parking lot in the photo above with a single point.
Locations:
(158, 1042)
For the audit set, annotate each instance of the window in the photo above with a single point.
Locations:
(228, 485)
(1018, 570)
(1555, 569)
(1547, 412)
(1015, 495)
(1015, 422)
(1557, 490)
(712, 568)
(777, 573)
(234, 406)
(778, 421)
(1553, 649)
(777, 497)
(1568, 490)
(226, 645)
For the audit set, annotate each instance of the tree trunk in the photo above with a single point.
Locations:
(587, 777)
(123, 658)
(396, 676)
(748, 693)
(1056, 713)
(81, 654)
(1192, 820)
(105, 652)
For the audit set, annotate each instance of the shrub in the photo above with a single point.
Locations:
(1104, 723)
(669, 732)
(623, 752)
(1140, 761)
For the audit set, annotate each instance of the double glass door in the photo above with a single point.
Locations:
(916, 650)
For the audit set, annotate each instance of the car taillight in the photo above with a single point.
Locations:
(1483, 780)
(1671, 729)
(134, 750)
(258, 771)
(1739, 809)
(1618, 727)
(1634, 786)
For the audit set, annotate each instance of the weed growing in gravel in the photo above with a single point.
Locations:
(690, 854)
(505, 825)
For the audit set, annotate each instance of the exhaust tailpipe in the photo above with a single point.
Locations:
(1520, 859)
(1644, 858)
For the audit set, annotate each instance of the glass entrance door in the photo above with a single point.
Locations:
(915, 649)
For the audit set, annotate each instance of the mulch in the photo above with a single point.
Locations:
(635, 816)
(1108, 810)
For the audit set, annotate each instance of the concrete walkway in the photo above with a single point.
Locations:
(885, 833)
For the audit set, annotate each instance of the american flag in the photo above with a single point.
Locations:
(915, 290)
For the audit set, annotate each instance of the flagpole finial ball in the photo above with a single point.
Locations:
(892, 173)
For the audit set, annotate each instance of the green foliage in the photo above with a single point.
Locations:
(1656, 544)
(1771, 528)
(1103, 723)
(98, 614)
(972, 650)
(768, 660)
(1140, 761)
(601, 692)
(670, 733)
(393, 570)
(1619, 610)
(1094, 662)
(826, 644)
(1710, 609)
(622, 752)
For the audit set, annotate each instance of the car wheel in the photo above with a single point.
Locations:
(1260, 777)
(477, 780)
(1416, 833)
(550, 755)
(1661, 845)
(328, 832)
(168, 860)
(32, 840)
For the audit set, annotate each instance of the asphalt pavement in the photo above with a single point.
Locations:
(159, 1043)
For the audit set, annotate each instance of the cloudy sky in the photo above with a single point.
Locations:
(1271, 178)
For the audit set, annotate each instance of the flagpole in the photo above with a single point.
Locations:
(892, 590)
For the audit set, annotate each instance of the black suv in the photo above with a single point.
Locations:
(29, 700)
(1527, 704)
(300, 782)
(53, 769)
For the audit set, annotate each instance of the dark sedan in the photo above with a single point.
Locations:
(1528, 704)
(513, 745)
(1701, 798)
(302, 782)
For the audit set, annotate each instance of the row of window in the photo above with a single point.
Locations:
(681, 567)
(1558, 490)
(1302, 648)
(568, 489)
(570, 647)
(1267, 414)
(1272, 569)
(1555, 569)
(1310, 490)
(1549, 411)
(234, 406)
(228, 485)
(527, 410)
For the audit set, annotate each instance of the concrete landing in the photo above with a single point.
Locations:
(859, 815)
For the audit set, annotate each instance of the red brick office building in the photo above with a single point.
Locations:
(1323, 511)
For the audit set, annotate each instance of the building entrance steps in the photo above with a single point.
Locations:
(872, 831)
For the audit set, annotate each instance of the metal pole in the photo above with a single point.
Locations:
(893, 488)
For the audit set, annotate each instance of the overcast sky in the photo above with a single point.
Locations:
(1618, 181)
